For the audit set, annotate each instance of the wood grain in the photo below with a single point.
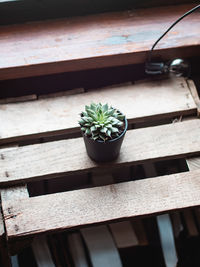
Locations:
(17, 192)
(95, 41)
(56, 159)
(101, 204)
(56, 116)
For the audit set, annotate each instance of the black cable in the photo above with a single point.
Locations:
(183, 16)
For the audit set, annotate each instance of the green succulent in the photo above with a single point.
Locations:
(101, 122)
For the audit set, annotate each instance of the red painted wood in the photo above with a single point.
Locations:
(95, 41)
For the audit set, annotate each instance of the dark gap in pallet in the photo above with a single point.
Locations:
(101, 77)
(48, 84)
(26, 258)
(119, 175)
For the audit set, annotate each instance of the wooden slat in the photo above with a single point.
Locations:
(77, 250)
(193, 163)
(167, 240)
(177, 223)
(190, 223)
(56, 116)
(60, 158)
(72, 209)
(124, 234)
(101, 247)
(17, 192)
(96, 41)
(4, 254)
(42, 253)
(164, 227)
(194, 94)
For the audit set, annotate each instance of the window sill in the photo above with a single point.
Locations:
(97, 41)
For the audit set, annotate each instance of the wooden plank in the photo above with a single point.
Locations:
(101, 204)
(42, 253)
(124, 234)
(77, 251)
(56, 116)
(193, 163)
(176, 223)
(18, 99)
(101, 247)
(62, 93)
(164, 227)
(4, 254)
(194, 94)
(96, 41)
(139, 229)
(190, 223)
(56, 159)
(14, 261)
(167, 240)
(17, 192)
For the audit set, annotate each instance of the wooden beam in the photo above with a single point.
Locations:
(42, 253)
(56, 212)
(56, 116)
(96, 41)
(101, 247)
(57, 159)
(15, 193)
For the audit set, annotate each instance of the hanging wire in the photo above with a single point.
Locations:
(179, 19)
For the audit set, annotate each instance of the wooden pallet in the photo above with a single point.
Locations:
(151, 102)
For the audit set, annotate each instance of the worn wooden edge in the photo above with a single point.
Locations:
(193, 163)
(96, 62)
(140, 198)
(195, 95)
(15, 193)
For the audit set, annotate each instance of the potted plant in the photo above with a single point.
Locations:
(103, 128)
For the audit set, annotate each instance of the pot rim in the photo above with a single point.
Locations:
(112, 140)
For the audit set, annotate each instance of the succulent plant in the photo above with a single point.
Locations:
(101, 122)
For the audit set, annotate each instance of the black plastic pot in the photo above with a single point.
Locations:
(104, 151)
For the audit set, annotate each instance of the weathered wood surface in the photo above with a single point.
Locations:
(96, 41)
(55, 116)
(17, 192)
(72, 209)
(124, 234)
(56, 159)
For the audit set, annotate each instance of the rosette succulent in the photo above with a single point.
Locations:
(101, 122)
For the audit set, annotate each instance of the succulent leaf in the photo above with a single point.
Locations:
(101, 122)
